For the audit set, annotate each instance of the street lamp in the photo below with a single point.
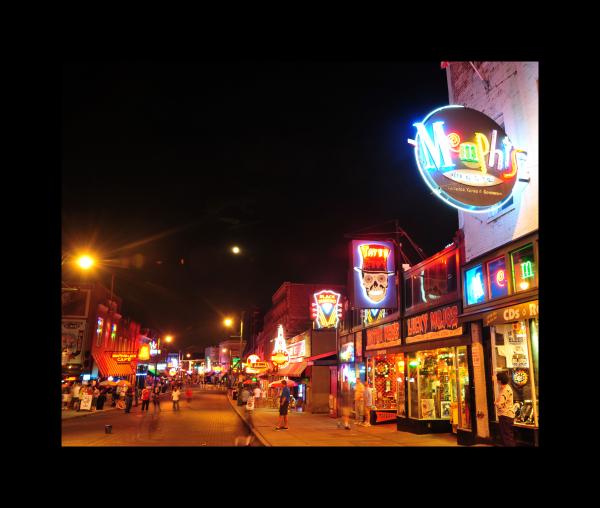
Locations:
(229, 322)
(235, 249)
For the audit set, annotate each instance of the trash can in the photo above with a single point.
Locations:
(108, 429)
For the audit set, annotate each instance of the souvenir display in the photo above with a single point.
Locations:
(520, 377)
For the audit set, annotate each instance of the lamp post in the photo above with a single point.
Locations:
(229, 322)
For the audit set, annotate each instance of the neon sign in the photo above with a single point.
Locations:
(466, 158)
(144, 352)
(326, 310)
(123, 357)
(372, 315)
(497, 278)
(280, 357)
(374, 270)
(474, 283)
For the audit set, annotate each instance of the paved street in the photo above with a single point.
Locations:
(209, 420)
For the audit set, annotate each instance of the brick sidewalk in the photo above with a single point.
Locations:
(307, 429)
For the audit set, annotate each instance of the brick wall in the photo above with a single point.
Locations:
(508, 95)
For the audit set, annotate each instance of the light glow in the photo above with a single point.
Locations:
(85, 262)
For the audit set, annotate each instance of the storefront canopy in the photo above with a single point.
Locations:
(109, 367)
(293, 369)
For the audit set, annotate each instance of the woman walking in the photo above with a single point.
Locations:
(156, 397)
(175, 396)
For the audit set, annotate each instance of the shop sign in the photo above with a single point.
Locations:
(144, 352)
(86, 402)
(280, 357)
(387, 336)
(123, 357)
(257, 367)
(154, 348)
(347, 352)
(297, 351)
(466, 158)
(522, 311)
(326, 309)
(383, 416)
(374, 272)
(436, 324)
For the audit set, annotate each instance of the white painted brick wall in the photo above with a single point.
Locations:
(512, 97)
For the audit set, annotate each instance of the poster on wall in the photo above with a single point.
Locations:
(72, 340)
(373, 274)
(466, 158)
(86, 402)
(75, 302)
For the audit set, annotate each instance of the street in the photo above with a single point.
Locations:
(208, 420)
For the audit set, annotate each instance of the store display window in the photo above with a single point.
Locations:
(474, 285)
(386, 376)
(432, 384)
(497, 278)
(461, 409)
(523, 268)
(514, 352)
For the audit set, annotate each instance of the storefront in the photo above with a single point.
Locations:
(501, 304)
(384, 371)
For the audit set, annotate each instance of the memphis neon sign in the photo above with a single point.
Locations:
(326, 309)
(466, 158)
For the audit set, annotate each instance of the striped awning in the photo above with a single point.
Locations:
(109, 367)
(293, 369)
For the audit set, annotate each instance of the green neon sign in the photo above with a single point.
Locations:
(527, 270)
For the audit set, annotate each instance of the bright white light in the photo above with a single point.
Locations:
(235, 250)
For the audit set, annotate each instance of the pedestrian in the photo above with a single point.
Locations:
(113, 396)
(156, 397)
(76, 394)
(359, 402)
(368, 403)
(257, 394)
(101, 400)
(175, 396)
(128, 398)
(145, 396)
(284, 402)
(250, 410)
(505, 410)
(346, 403)
(188, 395)
(95, 395)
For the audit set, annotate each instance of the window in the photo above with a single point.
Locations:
(386, 375)
(463, 416)
(515, 351)
(430, 284)
(432, 387)
(523, 269)
(474, 285)
(497, 278)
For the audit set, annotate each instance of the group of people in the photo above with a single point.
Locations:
(363, 401)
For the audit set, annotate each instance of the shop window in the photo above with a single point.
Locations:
(513, 353)
(523, 269)
(474, 285)
(497, 278)
(461, 411)
(432, 387)
(386, 377)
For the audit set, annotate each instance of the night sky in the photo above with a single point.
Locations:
(169, 161)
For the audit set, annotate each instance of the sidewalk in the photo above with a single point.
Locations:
(307, 429)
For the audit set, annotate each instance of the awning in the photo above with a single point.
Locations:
(293, 369)
(109, 367)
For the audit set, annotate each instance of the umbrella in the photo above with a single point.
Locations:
(107, 383)
(277, 384)
(123, 382)
(248, 382)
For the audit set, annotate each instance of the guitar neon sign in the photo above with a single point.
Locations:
(326, 310)
(466, 158)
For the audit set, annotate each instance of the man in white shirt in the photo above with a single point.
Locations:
(505, 410)
(368, 402)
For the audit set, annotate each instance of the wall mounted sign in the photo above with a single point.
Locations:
(347, 352)
(280, 357)
(475, 291)
(519, 312)
(466, 158)
(374, 277)
(383, 336)
(144, 352)
(497, 278)
(124, 357)
(385, 416)
(435, 324)
(73, 337)
(326, 309)
(371, 315)
(297, 351)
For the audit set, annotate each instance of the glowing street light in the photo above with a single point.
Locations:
(168, 339)
(188, 355)
(235, 249)
(85, 262)
(228, 322)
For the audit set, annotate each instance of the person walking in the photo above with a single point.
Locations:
(66, 396)
(101, 400)
(284, 402)
(346, 403)
(128, 398)
(175, 396)
(95, 395)
(359, 402)
(368, 403)
(76, 394)
(257, 392)
(145, 396)
(156, 397)
(188, 395)
(505, 410)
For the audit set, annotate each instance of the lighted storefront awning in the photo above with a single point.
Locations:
(293, 369)
(109, 367)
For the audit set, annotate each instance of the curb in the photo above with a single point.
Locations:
(255, 432)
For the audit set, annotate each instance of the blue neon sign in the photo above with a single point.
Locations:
(474, 285)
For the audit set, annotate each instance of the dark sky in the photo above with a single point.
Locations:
(169, 161)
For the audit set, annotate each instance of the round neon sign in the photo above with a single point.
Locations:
(466, 158)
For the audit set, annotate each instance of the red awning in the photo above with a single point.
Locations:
(293, 369)
(109, 367)
(319, 357)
